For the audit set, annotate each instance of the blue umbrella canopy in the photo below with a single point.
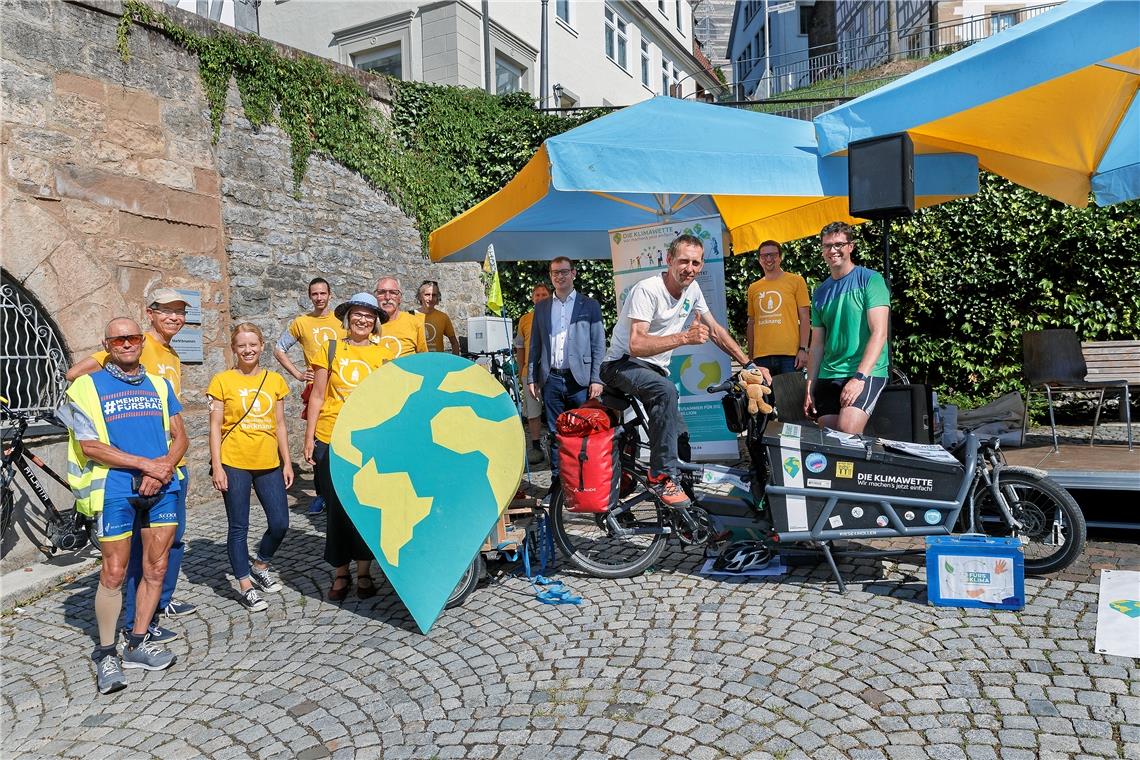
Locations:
(1049, 104)
(671, 160)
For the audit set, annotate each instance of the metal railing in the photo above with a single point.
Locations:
(32, 352)
(835, 69)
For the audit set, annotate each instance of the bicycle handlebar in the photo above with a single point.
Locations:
(722, 387)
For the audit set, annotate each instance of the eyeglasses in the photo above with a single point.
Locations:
(170, 310)
(769, 254)
(387, 293)
(122, 341)
(835, 246)
(560, 272)
(368, 316)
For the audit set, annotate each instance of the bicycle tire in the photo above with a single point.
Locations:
(7, 511)
(467, 583)
(584, 540)
(1039, 502)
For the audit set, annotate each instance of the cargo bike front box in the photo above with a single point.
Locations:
(828, 486)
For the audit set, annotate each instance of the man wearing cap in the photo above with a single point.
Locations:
(126, 437)
(403, 333)
(166, 311)
(778, 315)
(312, 331)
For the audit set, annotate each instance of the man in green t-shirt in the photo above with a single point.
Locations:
(848, 360)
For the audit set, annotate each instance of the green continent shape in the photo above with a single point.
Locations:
(398, 388)
(464, 432)
(473, 379)
(401, 508)
(710, 373)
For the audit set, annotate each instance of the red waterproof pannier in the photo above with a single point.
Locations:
(589, 459)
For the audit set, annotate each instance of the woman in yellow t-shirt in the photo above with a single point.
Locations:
(335, 375)
(249, 448)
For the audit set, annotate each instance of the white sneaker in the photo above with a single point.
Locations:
(253, 601)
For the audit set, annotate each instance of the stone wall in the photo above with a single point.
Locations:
(110, 185)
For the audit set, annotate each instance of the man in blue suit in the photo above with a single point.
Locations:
(567, 343)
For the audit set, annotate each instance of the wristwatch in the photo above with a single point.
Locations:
(803, 348)
(860, 376)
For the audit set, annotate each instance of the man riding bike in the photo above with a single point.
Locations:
(657, 317)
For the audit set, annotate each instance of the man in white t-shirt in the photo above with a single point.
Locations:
(662, 313)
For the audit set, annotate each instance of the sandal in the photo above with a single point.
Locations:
(339, 594)
(365, 587)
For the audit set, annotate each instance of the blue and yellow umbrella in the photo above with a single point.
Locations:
(1049, 104)
(672, 160)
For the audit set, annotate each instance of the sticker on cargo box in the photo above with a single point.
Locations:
(856, 512)
(835, 521)
(818, 483)
(908, 516)
(896, 482)
(792, 466)
(844, 469)
(790, 431)
(881, 521)
(932, 516)
(815, 462)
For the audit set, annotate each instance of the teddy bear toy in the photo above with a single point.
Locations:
(753, 383)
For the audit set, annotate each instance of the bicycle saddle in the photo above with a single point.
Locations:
(614, 399)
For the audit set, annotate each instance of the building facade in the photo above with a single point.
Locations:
(773, 60)
(600, 53)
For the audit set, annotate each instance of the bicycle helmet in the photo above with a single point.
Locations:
(742, 556)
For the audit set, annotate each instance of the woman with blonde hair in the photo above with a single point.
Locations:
(335, 375)
(249, 449)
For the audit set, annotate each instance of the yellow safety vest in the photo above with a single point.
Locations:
(88, 478)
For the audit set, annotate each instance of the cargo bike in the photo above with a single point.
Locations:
(805, 489)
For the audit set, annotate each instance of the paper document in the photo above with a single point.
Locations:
(845, 439)
(931, 451)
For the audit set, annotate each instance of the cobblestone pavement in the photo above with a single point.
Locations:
(670, 664)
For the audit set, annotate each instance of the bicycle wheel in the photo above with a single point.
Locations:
(1052, 521)
(7, 510)
(591, 546)
(467, 583)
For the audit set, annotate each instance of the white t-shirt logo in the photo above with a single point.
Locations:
(352, 371)
(323, 334)
(392, 343)
(769, 301)
(262, 402)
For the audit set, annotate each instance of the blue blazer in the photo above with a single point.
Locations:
(585, 343)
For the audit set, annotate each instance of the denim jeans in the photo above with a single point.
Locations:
(658, 395)
(270, 488)
(173, 559)
(777, 364)
(559, 393)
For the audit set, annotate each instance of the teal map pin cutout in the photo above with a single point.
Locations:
(426, 454)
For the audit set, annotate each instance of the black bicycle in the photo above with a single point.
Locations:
(503, 367)
(66, 530)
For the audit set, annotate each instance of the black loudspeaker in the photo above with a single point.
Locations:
(904, 413)
(880, 177)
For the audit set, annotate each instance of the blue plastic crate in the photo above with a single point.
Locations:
(975, 571)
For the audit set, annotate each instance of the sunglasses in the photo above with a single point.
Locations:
(122, 341)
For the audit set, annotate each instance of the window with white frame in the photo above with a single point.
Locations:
(680, 15)
(508, 75)
(562, 10)
(645, 63)
(387, 60)
(665, 67)
(675, 90)
(661, 6)
(617, 38)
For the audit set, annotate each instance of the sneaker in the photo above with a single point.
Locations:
(671, 494)
(317, 506)
(109, 675)
(253, 601)
(179, 608)
(148, 656)
(156, 633)
(535, 456)
(264, 580)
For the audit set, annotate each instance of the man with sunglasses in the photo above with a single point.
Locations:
(848, 360)
(437, 325)
(404, 332)
(126, 439)
(166, 311)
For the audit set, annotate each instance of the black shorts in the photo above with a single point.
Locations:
(826, 390)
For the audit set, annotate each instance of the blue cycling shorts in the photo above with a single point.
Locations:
(117, 520)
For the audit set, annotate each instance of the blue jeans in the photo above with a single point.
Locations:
(173, 559)
(270, 488)
(559, 393)
(777, 364)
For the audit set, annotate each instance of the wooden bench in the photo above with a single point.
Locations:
(1114, 360)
